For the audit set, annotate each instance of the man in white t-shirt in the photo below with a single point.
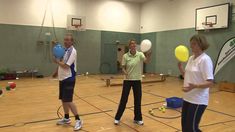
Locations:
(66, 72)
(198, 77)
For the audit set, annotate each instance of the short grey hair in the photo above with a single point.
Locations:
(201, 41)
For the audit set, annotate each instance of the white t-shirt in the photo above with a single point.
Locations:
(197, 71)
(70, 58)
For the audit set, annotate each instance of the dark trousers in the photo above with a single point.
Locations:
(136, 87)
(191, 116)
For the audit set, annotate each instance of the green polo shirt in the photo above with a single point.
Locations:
(134, 65)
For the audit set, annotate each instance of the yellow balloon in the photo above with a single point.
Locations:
(182, 53)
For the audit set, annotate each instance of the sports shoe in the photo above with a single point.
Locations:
(78, 125)
(64, 121)
(116, 122)
(139, 122)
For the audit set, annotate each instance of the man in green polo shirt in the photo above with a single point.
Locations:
(132, 66)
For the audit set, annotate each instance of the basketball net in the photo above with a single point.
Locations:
(78, 27)
(207, 26)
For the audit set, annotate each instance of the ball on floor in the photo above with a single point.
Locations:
(8, 88)
(12, 85)
(1, 92)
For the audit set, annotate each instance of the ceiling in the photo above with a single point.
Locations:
(137, 1)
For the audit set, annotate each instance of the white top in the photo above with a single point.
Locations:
(197, 71)
(70, 58)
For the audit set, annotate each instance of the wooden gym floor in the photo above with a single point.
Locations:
(32, 107)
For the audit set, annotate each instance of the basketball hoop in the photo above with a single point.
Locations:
(207, 26)
(77, 26)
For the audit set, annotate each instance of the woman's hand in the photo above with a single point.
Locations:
(186, 89)
(181, 68)
(148, 56)
(190, 87)
(179, 64)
(125, 73)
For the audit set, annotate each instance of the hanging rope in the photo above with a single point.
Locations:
(43, 20)
(52, 20)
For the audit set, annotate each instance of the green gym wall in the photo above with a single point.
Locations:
(19, 49)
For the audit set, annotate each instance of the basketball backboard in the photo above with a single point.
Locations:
(212, 17)
(76, 23)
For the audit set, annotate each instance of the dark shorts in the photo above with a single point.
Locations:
(66, 89)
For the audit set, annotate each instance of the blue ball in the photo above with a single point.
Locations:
(58, 51)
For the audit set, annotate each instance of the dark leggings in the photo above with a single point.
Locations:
(191, 116)
(136, 87)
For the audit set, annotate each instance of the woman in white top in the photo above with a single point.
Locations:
(198, 77)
